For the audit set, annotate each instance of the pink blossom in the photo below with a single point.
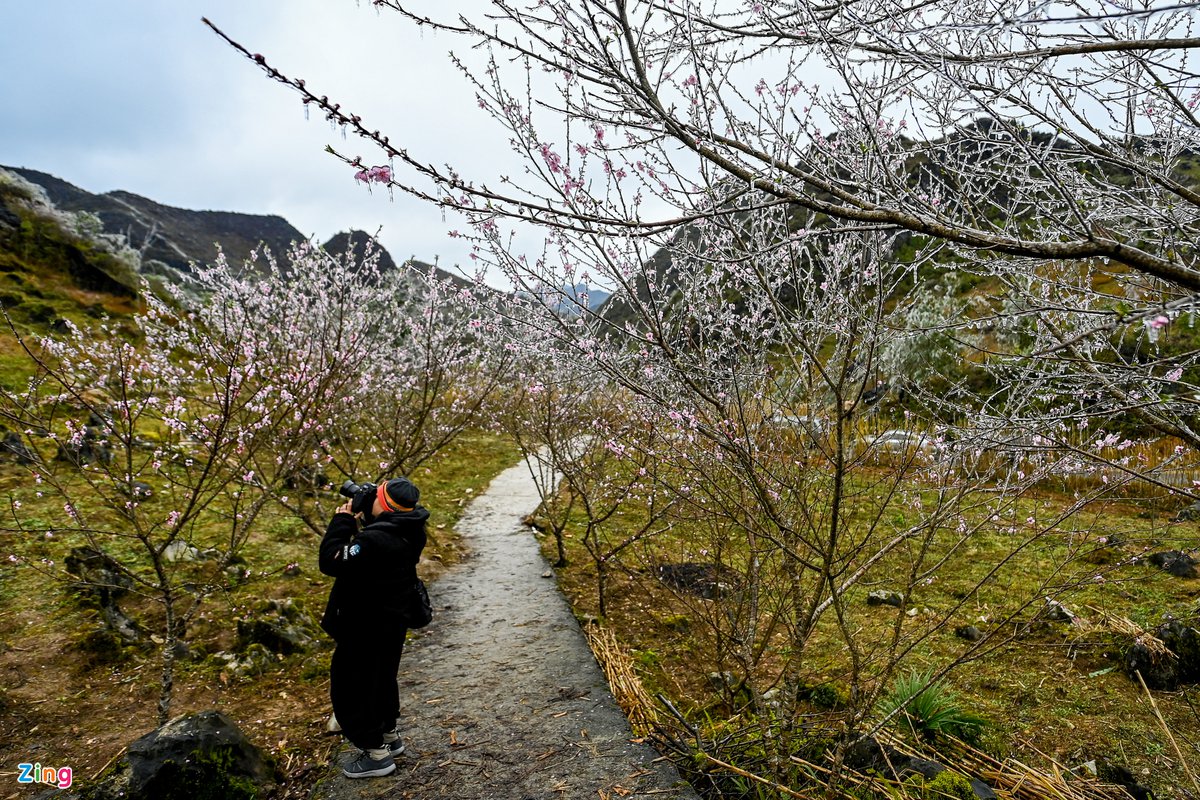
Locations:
(381, 174)
(553, 160)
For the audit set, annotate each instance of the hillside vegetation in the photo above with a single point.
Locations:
(786, 563)
(137, 585)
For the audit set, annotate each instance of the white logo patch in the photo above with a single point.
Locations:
(354, 550)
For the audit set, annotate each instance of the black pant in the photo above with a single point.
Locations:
(362, 686)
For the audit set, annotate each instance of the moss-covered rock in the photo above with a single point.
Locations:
(196, 757)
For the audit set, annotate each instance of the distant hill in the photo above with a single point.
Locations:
(176, 237)
(595, 297)
(356, 242)
(173, 236)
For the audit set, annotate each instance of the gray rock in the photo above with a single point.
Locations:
(180, 550)
(968, 632)
(1057, 612)
(13, 446)
(885, 597)
(708, 581)
(1188, 513)
(116, 621)
(89, 449)
(1181, 665)
(204, 749)
(99, 574)
(867, 754)
(723, 681)
(255, 660)
(1175, 562)
(280, 626)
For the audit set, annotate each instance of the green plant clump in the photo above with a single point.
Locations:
(930, 709)
(949, 784)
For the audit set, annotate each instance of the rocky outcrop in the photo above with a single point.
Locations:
(196, 757)
(1175, 663)
(173, 236)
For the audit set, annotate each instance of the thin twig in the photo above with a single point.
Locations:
(1158, 715)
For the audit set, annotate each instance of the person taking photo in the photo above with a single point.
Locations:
(374, 569)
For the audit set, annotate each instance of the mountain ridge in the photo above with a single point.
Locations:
(169, 239)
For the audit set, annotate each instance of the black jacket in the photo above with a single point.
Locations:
(374, 569)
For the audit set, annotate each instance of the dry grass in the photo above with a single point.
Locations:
(1055, 693)
(61, 706)
(623, 680)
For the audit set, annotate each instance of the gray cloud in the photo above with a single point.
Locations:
(143, 97)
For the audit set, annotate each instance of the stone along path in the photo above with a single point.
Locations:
(501, 697)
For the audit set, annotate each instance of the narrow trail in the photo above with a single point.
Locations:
(501, 697)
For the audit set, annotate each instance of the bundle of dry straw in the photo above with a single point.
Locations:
(626, 686)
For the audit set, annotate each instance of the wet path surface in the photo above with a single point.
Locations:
(500, 696)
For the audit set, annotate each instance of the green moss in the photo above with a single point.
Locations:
(204, 778)
(680, 623)
(101, 648)
(39, 313)
(948, 785)
(824, 695)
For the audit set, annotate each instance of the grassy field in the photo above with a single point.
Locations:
(64, 701)
(1054, 694)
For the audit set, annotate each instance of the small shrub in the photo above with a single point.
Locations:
(930, 708)
(647, 659)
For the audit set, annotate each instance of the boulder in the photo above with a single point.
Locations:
(868, 755)
(89, 449)
(723, 681)
(1188, 513)
(1175, 562)
(1057, 612)
(14, 447)
(708, 581)
(1184, 641)
(307, 480)
(196, 757)
(254, 660)
(281, 626)
(102, 579)
(137, 490)
(1166, 671)
(99, 574)
(180, 550)
(1121, 776)
(941, 781)
(968, 632)
(119, 623)
(885, 597)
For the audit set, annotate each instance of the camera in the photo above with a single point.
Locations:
(361, 495)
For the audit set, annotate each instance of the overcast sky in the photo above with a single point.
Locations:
(140, 95)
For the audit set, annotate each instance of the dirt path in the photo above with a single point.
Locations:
(501, 697)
